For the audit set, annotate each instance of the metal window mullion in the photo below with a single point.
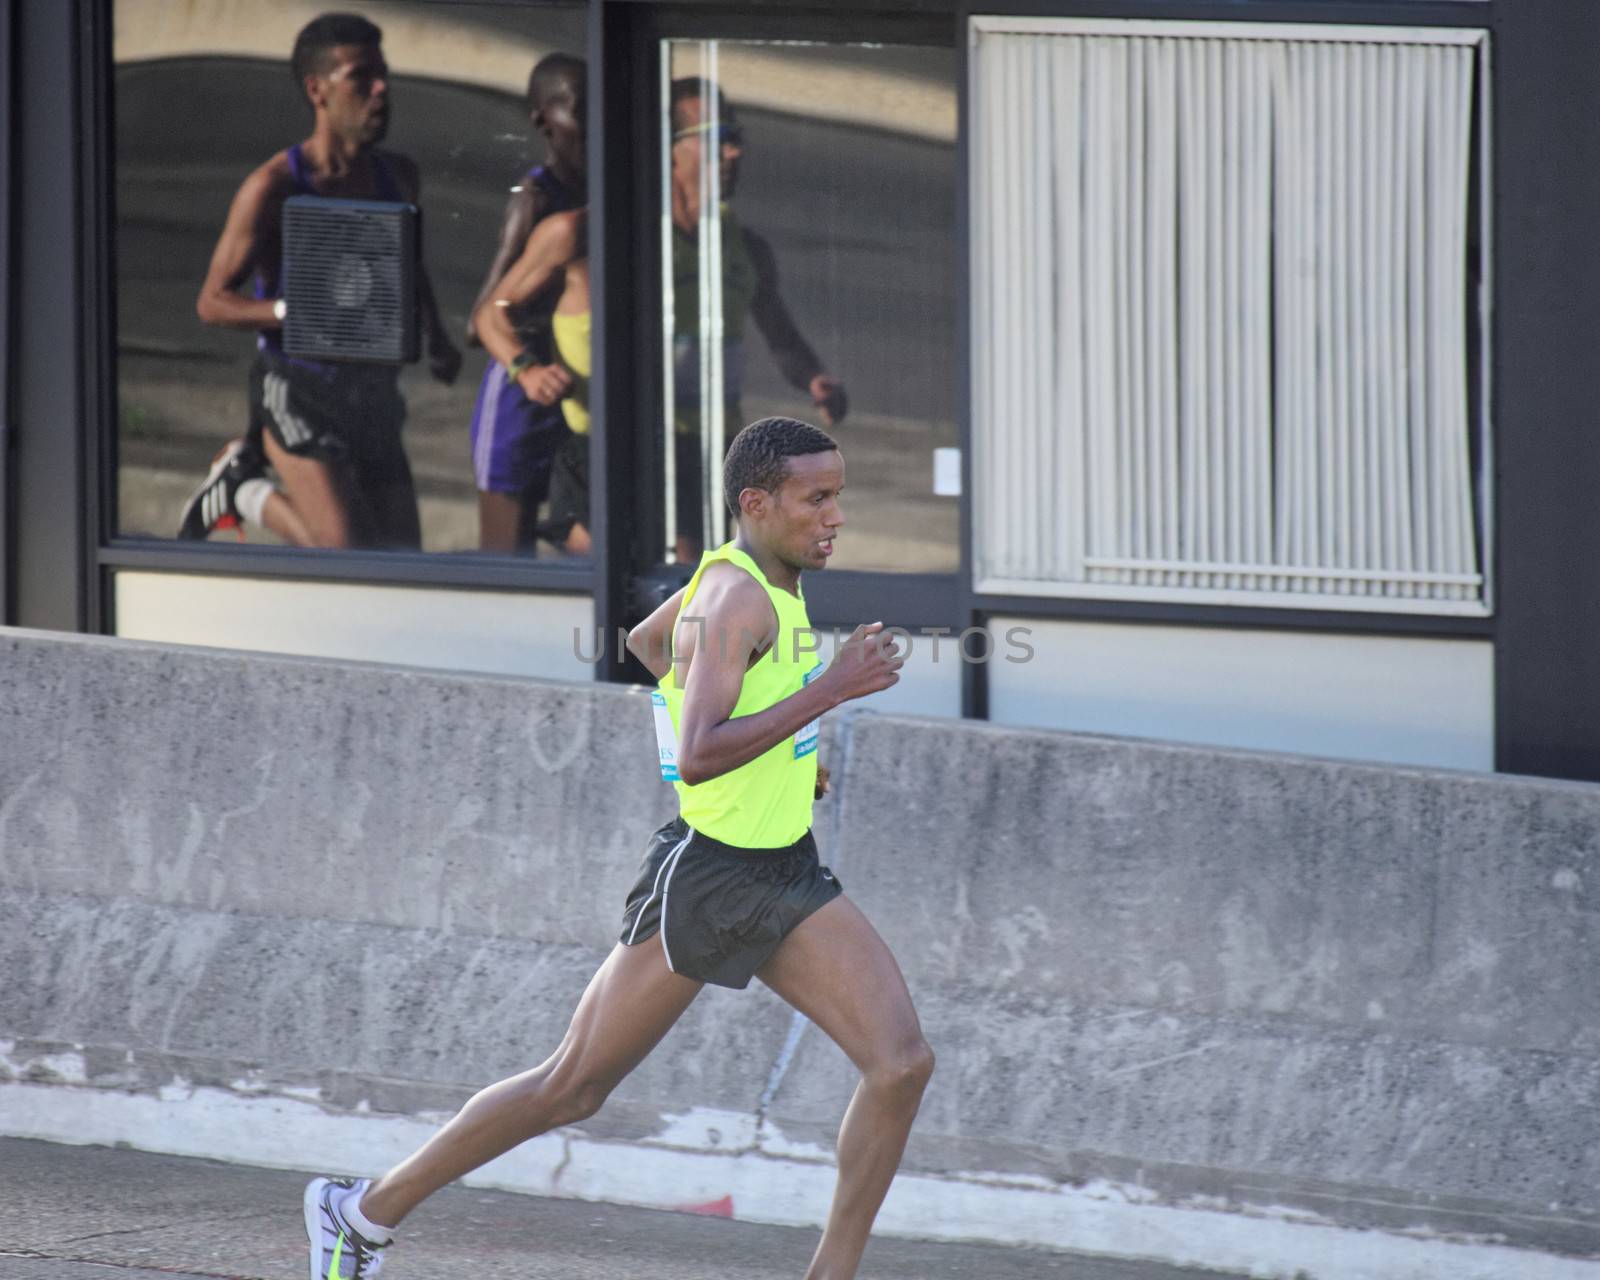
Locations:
(716, 514)
(668, 316)
(991, 339)
(998, 171)
(980, 329)
(1006, 197)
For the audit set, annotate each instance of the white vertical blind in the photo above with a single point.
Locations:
(1221, 313)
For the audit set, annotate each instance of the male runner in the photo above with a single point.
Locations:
(749, 290)
(331, 431)
(730, 889)
(554, 261)
(515, 435)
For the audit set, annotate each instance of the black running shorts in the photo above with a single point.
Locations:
(726, 908)
(350, 414)
(569, 487)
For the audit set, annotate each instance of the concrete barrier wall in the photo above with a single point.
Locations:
(1188, 1003)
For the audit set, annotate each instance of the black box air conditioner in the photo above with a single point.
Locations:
(350, 279)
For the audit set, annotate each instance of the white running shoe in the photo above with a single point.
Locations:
(337, 1252)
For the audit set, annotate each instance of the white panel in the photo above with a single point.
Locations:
(1382, 698)
(507, 633)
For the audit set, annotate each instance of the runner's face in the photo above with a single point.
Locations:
(805, 517)
(355, 94)
(691, 140)
(562, 120)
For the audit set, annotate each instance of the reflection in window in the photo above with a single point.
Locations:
(251, 420)
(810, 273)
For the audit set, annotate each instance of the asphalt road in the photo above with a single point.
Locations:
(861, 222)
(93, 1213)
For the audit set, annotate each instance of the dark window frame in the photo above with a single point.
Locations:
(8, 257)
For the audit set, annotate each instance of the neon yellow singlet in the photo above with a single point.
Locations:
(572, 347)
(765, 803)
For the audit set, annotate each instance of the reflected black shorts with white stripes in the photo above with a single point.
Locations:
(350, 413)
(726, 908)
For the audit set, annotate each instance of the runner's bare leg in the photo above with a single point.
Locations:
(500, 521)
(632, 1001)
(837, 971)
(317, 493)
(279, 515)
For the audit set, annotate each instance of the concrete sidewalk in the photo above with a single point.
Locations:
(92, 1213)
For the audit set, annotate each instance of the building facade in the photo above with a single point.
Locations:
(1207, 372)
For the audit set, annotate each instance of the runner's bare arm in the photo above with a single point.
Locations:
(651, 640)
(525, 206)
(738, 622)
(793, 354)
(555, 242)
(252, 219)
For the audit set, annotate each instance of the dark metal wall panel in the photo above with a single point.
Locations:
(50, 469)
(612, 109)
(1546, 76)
(7, 328)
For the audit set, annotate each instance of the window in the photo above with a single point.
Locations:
(812, 273)
(1228, 313)
(369, 455)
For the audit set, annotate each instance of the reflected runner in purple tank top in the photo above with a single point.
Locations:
(330, 432)
(514, 438)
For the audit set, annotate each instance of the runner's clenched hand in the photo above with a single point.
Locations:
(868, 662)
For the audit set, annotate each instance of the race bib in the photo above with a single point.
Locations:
(666, 738)
(805, 741)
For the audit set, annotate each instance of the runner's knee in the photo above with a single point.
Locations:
(907, 1067)
(578, 1095)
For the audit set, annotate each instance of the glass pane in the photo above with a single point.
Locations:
(368, 453)
(812, 275)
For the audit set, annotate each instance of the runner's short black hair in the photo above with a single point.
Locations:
(552, 74)
(314, 46)
(759, 456)
(686, 87)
